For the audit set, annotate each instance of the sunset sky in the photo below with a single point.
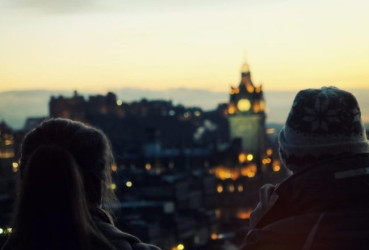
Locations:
(101, 45)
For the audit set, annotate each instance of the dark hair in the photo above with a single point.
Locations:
(65, 177)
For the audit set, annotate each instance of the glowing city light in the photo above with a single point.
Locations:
(114, 167)
(270, 131)
(249, 171)
(250, 88)
(129, 184)
(276, 168)
(226, 173)
(231, 109)
(148, 166)
(244, 105)
(219, 188)
(242, 157)
(250, 157)
(119, 102)
(266, 161)
(234, 91)
(8, 142)
(251, 174)
(113, 186)
(15, 166)
(269, 151)
(180, 247)
(214, 236)
(1, 230)
(244, 214)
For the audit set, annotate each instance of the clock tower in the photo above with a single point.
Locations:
(246, 114)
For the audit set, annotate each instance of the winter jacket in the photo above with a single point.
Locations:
(323, 207)
(119, 239)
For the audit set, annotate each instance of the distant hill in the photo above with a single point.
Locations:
(16, 106)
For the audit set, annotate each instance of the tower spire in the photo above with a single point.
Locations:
(245, 67)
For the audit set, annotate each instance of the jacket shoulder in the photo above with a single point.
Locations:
(286, 234)
(122, 240)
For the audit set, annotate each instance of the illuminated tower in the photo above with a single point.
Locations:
(246, 110)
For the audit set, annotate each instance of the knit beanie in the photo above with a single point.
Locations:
(323, 123)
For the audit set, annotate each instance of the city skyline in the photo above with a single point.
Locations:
(104, 45)
(16, 106)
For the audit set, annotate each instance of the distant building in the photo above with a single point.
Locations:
(251, 158)
(33, 122)
(72, 108)
(246, 111)
(8, 169)
(7, 141)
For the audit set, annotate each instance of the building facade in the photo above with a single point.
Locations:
(246, 114)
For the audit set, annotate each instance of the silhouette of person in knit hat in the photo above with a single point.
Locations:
(324, 204)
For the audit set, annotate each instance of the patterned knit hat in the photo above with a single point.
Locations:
(323, 123)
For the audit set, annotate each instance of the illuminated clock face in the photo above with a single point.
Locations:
(244, 105)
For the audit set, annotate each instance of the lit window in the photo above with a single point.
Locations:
(148, 166)
(219, 188)
(114, 167)
(250, 157)
(244, 214)
(270, 131)
(266, 161)
(242, 157)
(15, 166)
(269, 151)
(276, 168)
(231, 109)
